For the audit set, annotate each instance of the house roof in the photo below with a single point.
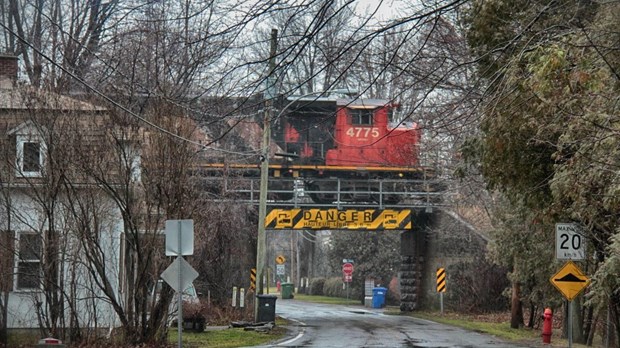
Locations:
(29, 98)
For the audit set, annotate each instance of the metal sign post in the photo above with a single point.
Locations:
(441, 286)
(180, 274)
(570, 281)
(180, 297)
(347, 273)
(180, 292)
(570, 323)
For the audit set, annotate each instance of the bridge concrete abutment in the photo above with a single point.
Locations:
(412, 251)
(437, 240)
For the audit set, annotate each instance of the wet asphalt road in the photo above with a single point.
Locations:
(320, 325)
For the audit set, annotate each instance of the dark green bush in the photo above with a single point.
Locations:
(333, 287)
(316, 286)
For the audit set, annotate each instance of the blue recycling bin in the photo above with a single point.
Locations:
(378, 297)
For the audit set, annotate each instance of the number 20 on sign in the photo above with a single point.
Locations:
(569, 242)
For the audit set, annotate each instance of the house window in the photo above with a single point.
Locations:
(28, 261)
(361, 116)
(30, 156)
(30, 150)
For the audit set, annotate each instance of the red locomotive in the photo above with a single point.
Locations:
(348, 149)
(347, 132)
(343, 150)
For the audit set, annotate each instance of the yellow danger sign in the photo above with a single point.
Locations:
(334, 219)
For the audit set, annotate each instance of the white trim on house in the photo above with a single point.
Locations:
(30, 150)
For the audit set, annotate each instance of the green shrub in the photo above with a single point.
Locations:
(316, 286)
(333, 288)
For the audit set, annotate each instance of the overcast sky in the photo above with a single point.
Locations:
(387, 8)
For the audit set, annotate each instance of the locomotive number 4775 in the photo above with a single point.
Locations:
(363, 132)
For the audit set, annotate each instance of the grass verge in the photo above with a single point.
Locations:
(224, 338)
(493, 325)
(229, 337)
(498, 329)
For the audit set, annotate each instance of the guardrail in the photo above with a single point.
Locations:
(287, 192)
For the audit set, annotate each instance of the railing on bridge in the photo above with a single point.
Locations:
(338, 193)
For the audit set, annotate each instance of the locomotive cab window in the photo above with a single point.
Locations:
(393, 114)
(361, 116)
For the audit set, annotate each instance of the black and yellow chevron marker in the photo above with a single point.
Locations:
(253, 279)
(441, 280)
(334, 219)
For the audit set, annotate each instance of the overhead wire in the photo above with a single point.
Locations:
(306, 37)
(373, 35)
(117, 104)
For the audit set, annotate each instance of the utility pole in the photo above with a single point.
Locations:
(261, 245)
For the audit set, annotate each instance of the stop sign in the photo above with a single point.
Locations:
(347, 268)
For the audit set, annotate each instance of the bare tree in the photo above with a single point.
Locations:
(151, 62)
(67, 32)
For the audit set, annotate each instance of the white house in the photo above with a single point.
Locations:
(51, 213)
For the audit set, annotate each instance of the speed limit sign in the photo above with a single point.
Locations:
(570, 243)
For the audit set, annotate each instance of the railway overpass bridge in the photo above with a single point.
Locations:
(432, 236)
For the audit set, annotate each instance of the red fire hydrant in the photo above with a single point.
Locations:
(547, 326)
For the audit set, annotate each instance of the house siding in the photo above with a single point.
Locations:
(79, 133)
(92, 306)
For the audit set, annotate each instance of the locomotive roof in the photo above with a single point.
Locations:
(360, 103)
(353, 103)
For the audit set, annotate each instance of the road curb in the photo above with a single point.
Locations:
(294, 332)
